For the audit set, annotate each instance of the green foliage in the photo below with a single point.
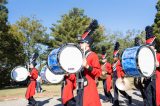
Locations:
(30, 31)
(3, 18)
(156, 25)
(3, 2)
(125, 41)
(72, 24)
(11, 49)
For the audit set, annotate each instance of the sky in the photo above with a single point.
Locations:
(114, 15)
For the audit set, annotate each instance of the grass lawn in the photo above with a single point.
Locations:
(50, 91)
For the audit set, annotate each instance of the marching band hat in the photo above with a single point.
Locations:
(86, 37)
(116, 50)
(137, 41)
(34, 63)
(150, 38)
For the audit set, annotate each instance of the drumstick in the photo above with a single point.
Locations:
(84, 51)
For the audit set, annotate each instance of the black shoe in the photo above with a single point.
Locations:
(130, 99)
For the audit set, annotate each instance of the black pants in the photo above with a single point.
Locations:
(116, 101)
(150, 92)
(71, 102)
(31, 101)
(107, 94)
(138, 84)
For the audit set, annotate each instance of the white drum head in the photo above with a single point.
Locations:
(146, 61)
(53, 78)
(70, 59)
(50, 77)
(19, 74)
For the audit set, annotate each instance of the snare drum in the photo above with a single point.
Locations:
(19, 73)
(138, 61)
(68, 57)
(50, 77)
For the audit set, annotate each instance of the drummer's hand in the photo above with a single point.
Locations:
(67, 74)
(157, 64)
(85, 64)
(29, 74)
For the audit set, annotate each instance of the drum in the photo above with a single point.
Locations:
(68, 57)
(50, 77)
(138, 61)
(19, 73)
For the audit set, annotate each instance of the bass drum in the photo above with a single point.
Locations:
(139, 61)
(67, 58)
(50, 77)
(19, 73)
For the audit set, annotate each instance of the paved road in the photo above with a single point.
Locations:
(55, 101)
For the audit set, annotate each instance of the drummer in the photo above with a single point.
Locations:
(150, 85)
(107, 83)
(92, 69)
(32, 85)
(68, 85)
(118, 73)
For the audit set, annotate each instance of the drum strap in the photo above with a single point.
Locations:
(82, 82)
(114, 66)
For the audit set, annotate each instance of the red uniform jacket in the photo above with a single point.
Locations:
(120, 72)
(31, 87)
(67, 91)
(90, 94)
(158, 82)
(109, 76)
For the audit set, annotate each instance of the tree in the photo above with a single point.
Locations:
(126, 41)
(156, 25)
(3, 17)
(11, 49)
(72, 24)
(30, 31)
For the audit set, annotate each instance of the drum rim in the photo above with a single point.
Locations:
(136, 59)
(62, 47)
(13, 70)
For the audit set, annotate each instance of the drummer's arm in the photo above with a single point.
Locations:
(120, 73)
(72, 77)
(34, 73)
(94, 67)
